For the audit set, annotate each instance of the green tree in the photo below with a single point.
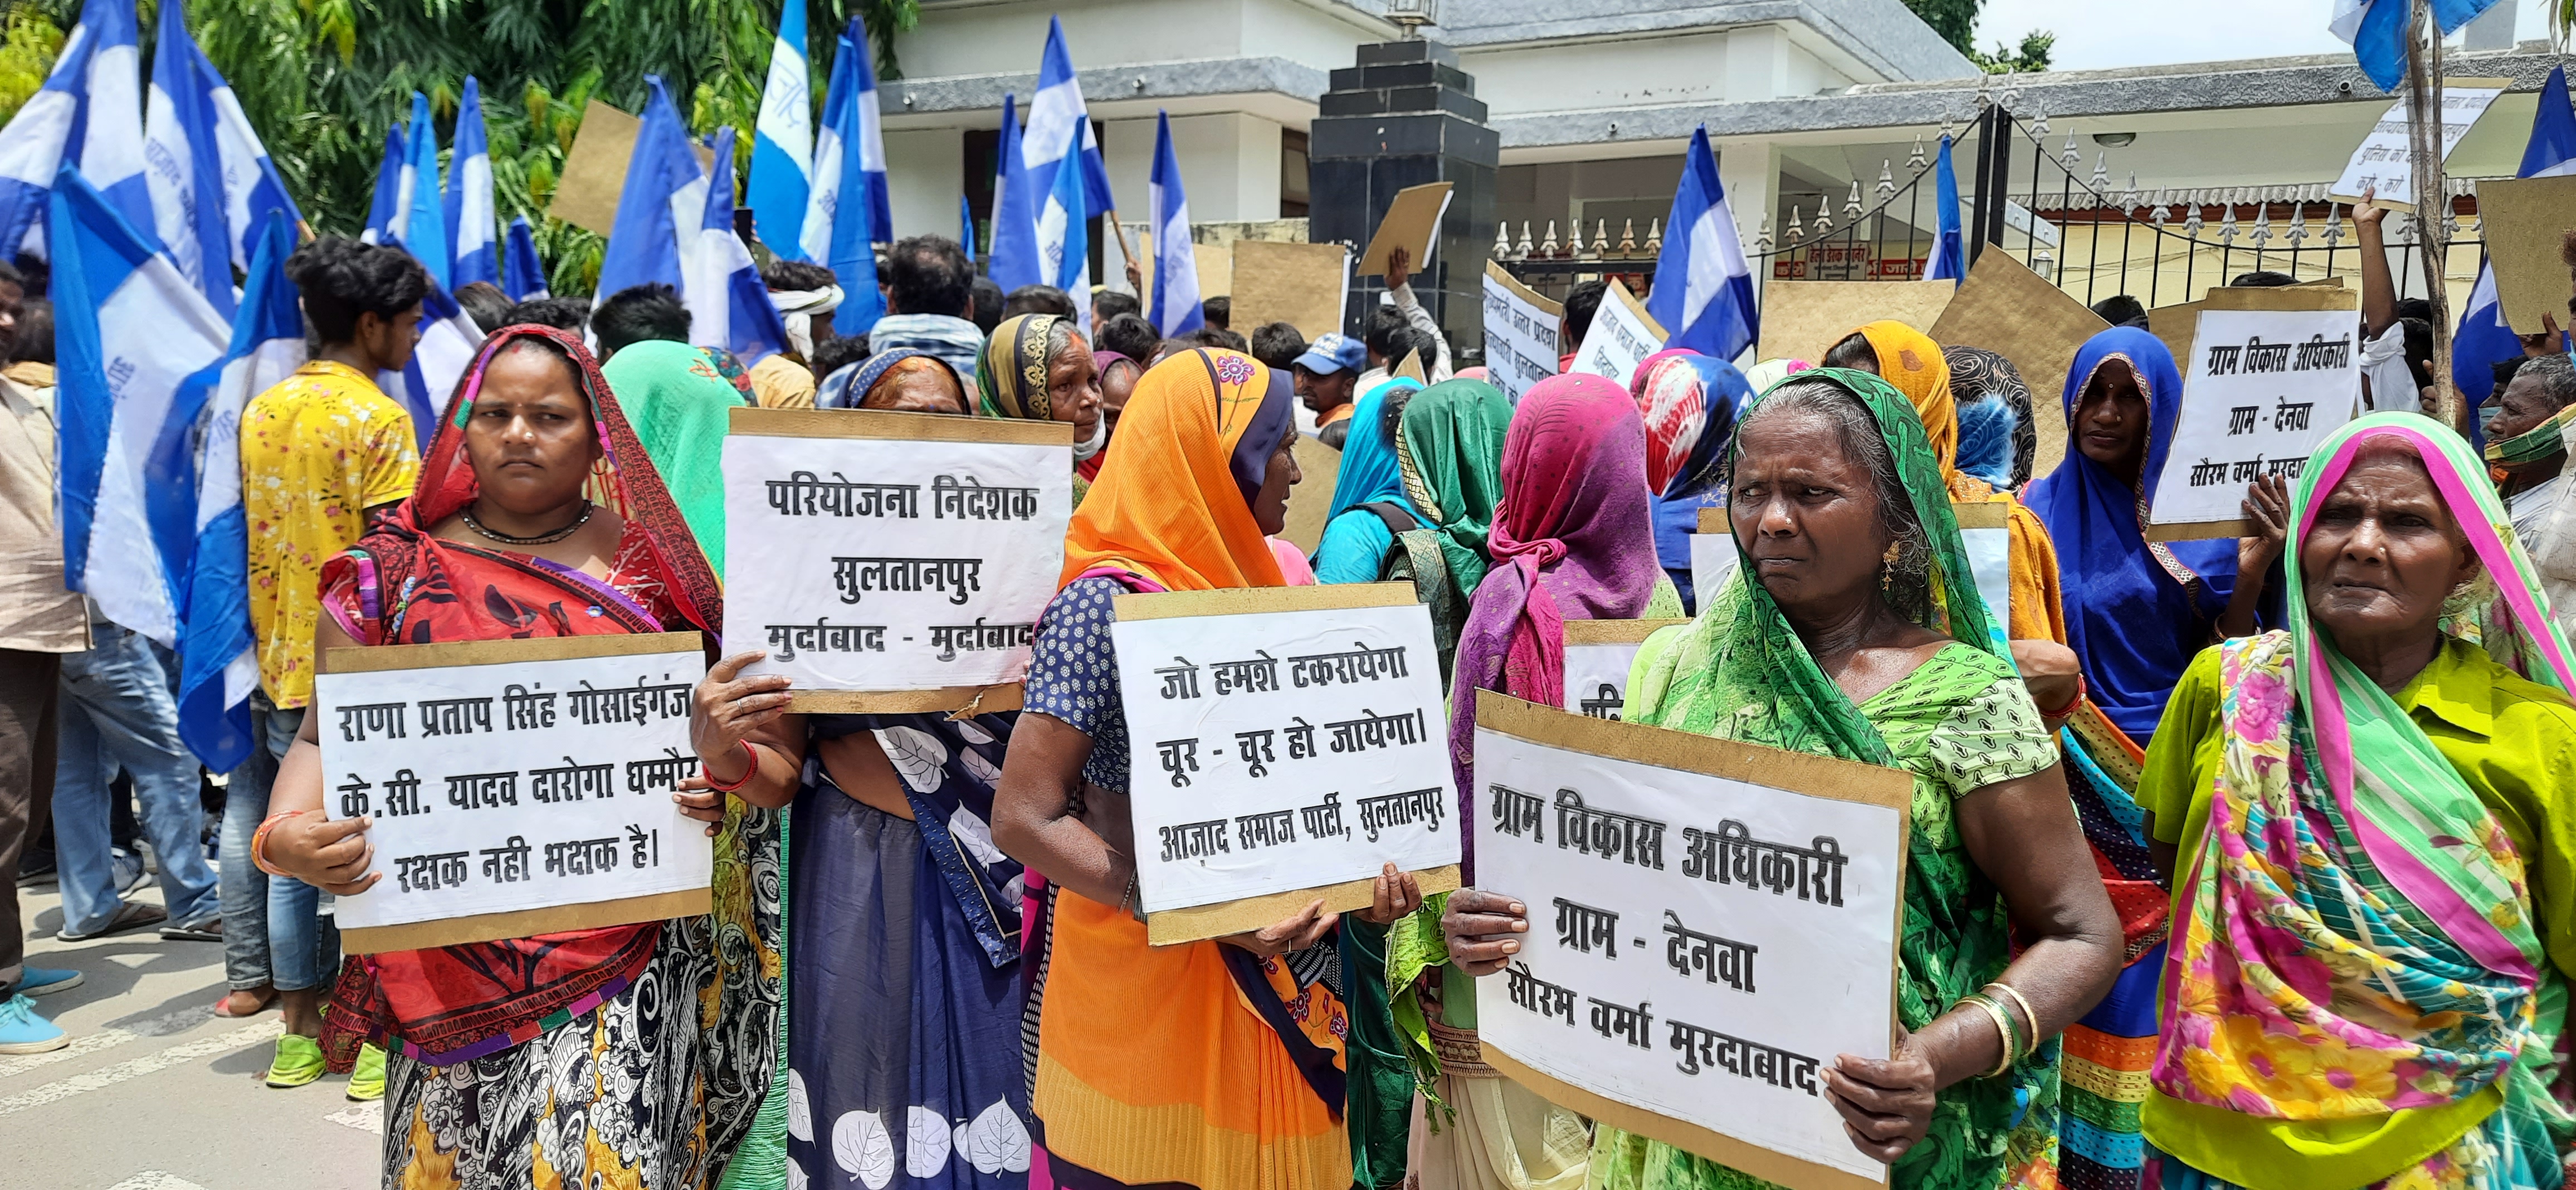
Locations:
(1956, 22)
(2029, 57)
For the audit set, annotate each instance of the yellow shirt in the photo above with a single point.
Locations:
(318, 449)
(2514, 742)
(782, 383)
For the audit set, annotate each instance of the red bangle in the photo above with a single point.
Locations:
(259, 843)
(749, 753)
(2071, 704)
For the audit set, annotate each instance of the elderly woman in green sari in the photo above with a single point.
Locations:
(1853, 628)
(2375, 812)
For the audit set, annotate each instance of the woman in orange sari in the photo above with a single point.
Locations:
(628, 1055)
(1212, 1064)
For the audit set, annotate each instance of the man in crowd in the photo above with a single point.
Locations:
(39, 623)
(1037, 299)
(806, 295)
(636, 313)
(1327, 378)
(1403, 328)
(1581, 303)
(930, 291)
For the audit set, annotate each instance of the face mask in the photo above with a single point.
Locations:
(1083, 451)
(2487, 415)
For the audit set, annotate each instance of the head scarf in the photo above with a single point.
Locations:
(1986, 428)
(2136, 611)
(1977, 373)
(1772, 371)
(1368, 473)
(1913, 364)
(680, 406)
(1174, 505)
(1572, 540)
(1449, 449)
(2361, 938)
(729, 366)
(1011, 372)
(857, 381)
(797, 308)
(1690, 404)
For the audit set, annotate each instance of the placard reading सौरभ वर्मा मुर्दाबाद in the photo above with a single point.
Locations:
(893, 564)
(2265, 386)
(1701, 946)
(514, 784)
(1278, 750)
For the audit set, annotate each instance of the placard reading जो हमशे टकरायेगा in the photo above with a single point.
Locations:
(1287, 742)
(901, 559)
(1710, 924)
(518, 787)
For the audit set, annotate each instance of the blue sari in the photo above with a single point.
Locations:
(1356, 540)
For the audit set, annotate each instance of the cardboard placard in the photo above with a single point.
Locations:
(1299, 284)
(1409, 368)
(516, 787)
(2384, 161)
(946, 544)
(2523, 220)
(1712, 924)
(1288, 741)
(1804, 319)
(1319, 467)
(1216, 269)
(2261, 389)
(1598, 655)
(1412, 223)
(2007, 309)
(594, 171)
(2177, 324)
(1521, 330)
(1621, 336)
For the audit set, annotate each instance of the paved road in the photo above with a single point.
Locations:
(156, 1092)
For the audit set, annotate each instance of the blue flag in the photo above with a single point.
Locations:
(644, 243)
(525, 277)
(1064, 236)
(782, 141)
(1949, 246)
(1703, 292)
(2378, 30)
(850, 250)
(88, 114)
(728, 306)
(425, 230)
(467, 204)
(186, 180)
(2484, 340)
(1176, 310)
(389, 207)
(1015, 259)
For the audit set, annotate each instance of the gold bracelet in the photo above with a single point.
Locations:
(2026, 1012)
(2003, 1029)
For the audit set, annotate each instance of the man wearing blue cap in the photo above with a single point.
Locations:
(1327, 376)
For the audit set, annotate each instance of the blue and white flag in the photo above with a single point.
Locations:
(128, 330)
(871, 135)
(2484, 339)
(448, 339)
(823, 194)
(1176, 266)
(1703, 292)
(966, 226)
(848, 246)
(390, 205)
(252, 187)
(186, 177)
(782, 141)
(728, 306)
(425, 232)
(218, 657)
(1015, 259)
(525, 277)
(89, 114)
(1056, 112)
(471, 223)
(2378, 29)
(664, 192)
(1949, 257)
(1064, 236)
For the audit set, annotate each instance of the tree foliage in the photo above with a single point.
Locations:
(2030, 57)
(1956, 22)
(322, 81)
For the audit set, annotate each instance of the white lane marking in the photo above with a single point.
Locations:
(365, 1117)
(81, 1084)
(90, 1043)
(153, 1179)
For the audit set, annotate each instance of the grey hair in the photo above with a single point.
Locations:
(2556, 374)
(1908, 574)
(1060, 335)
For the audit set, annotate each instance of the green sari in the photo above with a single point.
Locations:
(1449, 449)
(680, 406)
(1960, 722)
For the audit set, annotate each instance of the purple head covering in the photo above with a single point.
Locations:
(1574, 539)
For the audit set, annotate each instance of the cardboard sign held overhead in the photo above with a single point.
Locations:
(594, 172)
(2522, 219)
(1520, 333)
(2384, 160)
(1412, 223)
(1299, 284)
(1216, 269)
(1622, 335)
(1803, 319)
(2179, 325)
(2007, 309)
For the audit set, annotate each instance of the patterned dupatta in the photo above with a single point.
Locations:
(2356, 936)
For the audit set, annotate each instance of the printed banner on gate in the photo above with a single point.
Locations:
(1711, 923)
(903, 559)
(1287, 742)
(518, 786)
(2261, 389)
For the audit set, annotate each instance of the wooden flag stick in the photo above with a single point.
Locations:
(2432, 203)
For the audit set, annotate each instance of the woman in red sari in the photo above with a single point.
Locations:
(630, 1055)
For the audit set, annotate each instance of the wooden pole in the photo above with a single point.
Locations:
(2432, 199)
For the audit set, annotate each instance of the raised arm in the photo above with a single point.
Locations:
(2378, 288)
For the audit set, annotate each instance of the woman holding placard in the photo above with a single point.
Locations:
(1449, 453)
(1853, 629)
(1038, 368)
(1573, 539)
(630, 1053)
(2374, 916)
(1211, 1063)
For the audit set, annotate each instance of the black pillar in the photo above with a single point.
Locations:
(1404, 116)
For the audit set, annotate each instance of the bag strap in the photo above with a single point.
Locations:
(1399, 519)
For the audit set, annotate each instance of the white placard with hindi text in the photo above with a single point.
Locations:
(1279, 750)
(2384, 161)
(1621, 337)
(1713, 560)
(2262, 388)
(1520, 334)
(1598, 656)
(899, 561)
(512, 785)
(1711, 924)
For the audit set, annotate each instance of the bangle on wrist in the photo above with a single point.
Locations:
(751, 756)
(2003, 1030)
(2027, 1014)
(2066, 711)
(259, 844)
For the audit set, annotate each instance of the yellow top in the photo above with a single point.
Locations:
(318, 449)
(781, 383)
(2514, 743)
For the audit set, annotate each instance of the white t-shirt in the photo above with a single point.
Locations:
(2391, 383)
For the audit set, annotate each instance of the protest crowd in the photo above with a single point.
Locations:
(2226, 861)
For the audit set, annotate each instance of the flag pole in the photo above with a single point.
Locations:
(1109, 215)
(2425, 132)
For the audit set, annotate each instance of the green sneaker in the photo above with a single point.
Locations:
(367, 1078)
(299, 1061)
